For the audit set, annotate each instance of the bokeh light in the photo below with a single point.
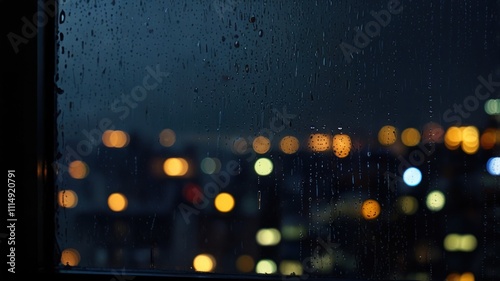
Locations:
(117, 202)
(67, 198)
(261, 144)
(70, 257)
(470, 139)
(210, 165)
(240, 146)
(245, 263)
(263, 166)
(175, 167)
(167, 137)
(115, 138)
(268, 237)
(488, 138)
(412, 176)
(204, 263)
(453, 138)
(319, 142)
(410, 137)
(289, 144)
(454, 242)
(492, 106)
(493, 166)
(432, 132)
(408, 205)
(291, 268)
(78, 169)
(341, 145)
(224, 202)
(266, 267)
(387, 135)
(435, 200)
(467, 276)
(370, 209)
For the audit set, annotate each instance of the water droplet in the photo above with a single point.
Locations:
(252, 19)
(62, 16)
(237, 44)
(261, 33)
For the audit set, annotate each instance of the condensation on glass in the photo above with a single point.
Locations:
(290, 138)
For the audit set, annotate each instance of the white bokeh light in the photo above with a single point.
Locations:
(412, 176)
(493, 166)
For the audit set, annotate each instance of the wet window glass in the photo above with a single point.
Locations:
(296, 139)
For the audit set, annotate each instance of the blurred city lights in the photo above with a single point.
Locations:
(492, 106)
(204, 263)
(435, 200)
(263, 166)
(467, 276)
(67, 198)
(291, 267)
(410, 137)
(319, 142)
(268, 237)
(341, 145)
(292, 231)
(261, 144)
(167, 137)
(370, 209)
(266, 267)
(387, 135)
(489, 138)
(453, 138)
(245, 263)
(78, 169)
(470, 139)
(117, 202)
(454, 242)
(175, 167)
(432, 132)
(493, 166)
(289, 144)
(240, 146)
(412, 176)
(210, 165)
(224, 202)
(70, 257)
(115, 138)
(408, 204)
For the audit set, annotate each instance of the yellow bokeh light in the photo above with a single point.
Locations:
(319, 142)
(435, 200)
(263, 166)
(452, 242)
(410, 137)
(453, 138)
(453, 277)
(289, 144)
(470, 139)
(204, 263)
(408, 205)
(175, 167)
(106, 138)
(167, 137)
(266, 267)
(117, 202)
(119, 139)
(224, 202)
(70, 257)
(245, 263)
(387, 135)
(370, 209)
(468, 243)
(341, 145)
(268, 236)
(467, 276)
(261, 144)
(78, 169)
(290, 267)
(67, 198)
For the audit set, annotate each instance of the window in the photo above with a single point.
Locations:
(274, 139)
